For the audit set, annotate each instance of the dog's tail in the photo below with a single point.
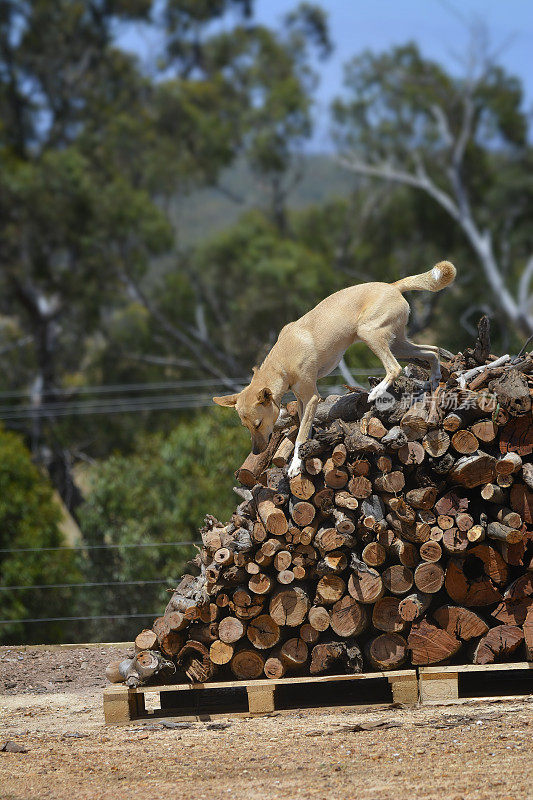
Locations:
(433, 280)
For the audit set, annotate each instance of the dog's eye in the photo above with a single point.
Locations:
(257, 424)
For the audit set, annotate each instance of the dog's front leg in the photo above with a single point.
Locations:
(306, 423)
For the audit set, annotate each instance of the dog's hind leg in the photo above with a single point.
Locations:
(379, 342)
(409, 351)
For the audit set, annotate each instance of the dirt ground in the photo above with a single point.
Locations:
(53, 710)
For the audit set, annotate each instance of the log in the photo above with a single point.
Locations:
(333, 563)
(484, 430)
(508, 464)
(411, 453)
(146, 640)
(495, 530)
(512, 392)
(301, 487)
(294, 653)
(405, 552)
(475, 580)
(348, 617)
(394, 439)
(365, 585)
(193, 659)
(344, 523)
(290, 606)
(451, 503)
(313, 465)
(330, 588)
(284, 451)
(474, 470)
(220, 652)
(272, 517)
(422, 498)
(430, 645)
(302, 512)
(375, 428)
(392, 482)
(260, 583)
(429, 577)
(464, 442)
(274, 667)
(527, 475)
(431, 551)
(331, 539)
(325, 656)
(230, 630)
(414, 422)
(254, 465)
(387, 651)
(528, 634)
(360, 487)
(309, 634)
(461, 622)
(374, 554)
(247, 664)
(498, 644)
(334, 477)
(414, 605)
(455, 541)
(323, 500)
(493, 493)
(521, 501)
(263, 632)
(386, 616)
(346, 500)
(319, 618)
(436, 443)
(282, 560)
(397, 579)
(338, 456)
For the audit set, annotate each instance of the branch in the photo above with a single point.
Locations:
(524, 298)
(176, 333)
(419, 180)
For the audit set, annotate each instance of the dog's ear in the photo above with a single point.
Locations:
(264, 396)
(227, 400)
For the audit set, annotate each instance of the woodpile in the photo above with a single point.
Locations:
(406, 540)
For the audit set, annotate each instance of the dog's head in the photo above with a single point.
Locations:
(257, 411)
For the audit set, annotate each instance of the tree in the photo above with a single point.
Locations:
(461, 141)
(29, 520)
(65, 204)
(159, 494)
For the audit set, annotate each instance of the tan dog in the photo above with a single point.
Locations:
(311, 347)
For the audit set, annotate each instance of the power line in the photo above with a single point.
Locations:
(74, 585)
(66, 619)
(110, 388)
(66, 548)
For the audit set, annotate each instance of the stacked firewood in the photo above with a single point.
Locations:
(406, 540)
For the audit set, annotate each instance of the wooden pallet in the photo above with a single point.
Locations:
(475, 681)
(203, 701)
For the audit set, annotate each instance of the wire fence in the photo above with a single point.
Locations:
(86, 584)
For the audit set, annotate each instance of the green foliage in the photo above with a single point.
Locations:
(159, 494)
(29, 518)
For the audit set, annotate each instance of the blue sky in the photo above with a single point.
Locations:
(440, 27)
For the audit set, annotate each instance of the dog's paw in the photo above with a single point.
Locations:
(295, 468)
(434, 382)
(376, 392)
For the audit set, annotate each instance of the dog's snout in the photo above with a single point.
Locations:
(259, 444)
